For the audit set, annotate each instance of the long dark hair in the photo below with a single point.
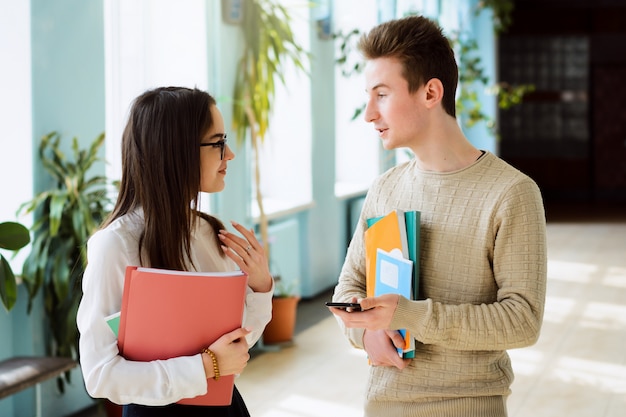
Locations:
(161, 172)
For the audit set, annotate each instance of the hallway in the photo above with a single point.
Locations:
(577, 368)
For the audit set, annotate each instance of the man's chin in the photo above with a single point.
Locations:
(388, 145)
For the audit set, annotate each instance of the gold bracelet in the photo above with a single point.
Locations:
(216, 369)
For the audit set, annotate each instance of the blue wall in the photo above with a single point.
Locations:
(68, 96)
(68, 71)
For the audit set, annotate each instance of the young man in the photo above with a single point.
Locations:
(483, 246)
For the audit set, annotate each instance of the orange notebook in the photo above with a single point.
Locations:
(387, 233)
(167, 314)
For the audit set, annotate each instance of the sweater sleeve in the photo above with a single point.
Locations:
(351, 281)
(519, 267)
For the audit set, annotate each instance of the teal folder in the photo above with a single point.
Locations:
(412, 220)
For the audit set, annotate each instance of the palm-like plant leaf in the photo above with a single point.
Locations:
(65, 217)
(268, 44)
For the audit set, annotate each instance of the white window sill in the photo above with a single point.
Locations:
(275, 208)
(347, 190)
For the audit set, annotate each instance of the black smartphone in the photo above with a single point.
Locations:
(344, 306)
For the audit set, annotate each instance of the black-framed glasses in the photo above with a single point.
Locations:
(219, 144)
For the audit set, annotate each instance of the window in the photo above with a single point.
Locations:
(357, 146)
(147, 45)
(16, 157)
(285, 158)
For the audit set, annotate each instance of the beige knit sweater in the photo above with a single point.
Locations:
(482, 287)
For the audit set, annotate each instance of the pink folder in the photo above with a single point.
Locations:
(167, 314)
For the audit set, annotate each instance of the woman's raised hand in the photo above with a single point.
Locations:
(249, 254)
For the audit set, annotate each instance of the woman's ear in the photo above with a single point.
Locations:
(434, 92)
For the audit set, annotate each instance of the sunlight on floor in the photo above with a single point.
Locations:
(604, 316)
(571, 271)
(527, 361)
(306, 406)
(602, 376)
(615, 277)
(558, 309)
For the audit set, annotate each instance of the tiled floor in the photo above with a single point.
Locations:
(577, 368)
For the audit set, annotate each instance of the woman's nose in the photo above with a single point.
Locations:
(228, 153)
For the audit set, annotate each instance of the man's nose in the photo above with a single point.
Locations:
(371, 113)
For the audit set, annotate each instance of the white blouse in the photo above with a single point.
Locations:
(161, 382)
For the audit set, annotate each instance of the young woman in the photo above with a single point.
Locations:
(173, 147)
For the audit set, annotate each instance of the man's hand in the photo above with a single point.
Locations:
(380, 346)
(379, 341)
(376, 315)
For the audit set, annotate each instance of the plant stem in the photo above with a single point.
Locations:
(257, 178)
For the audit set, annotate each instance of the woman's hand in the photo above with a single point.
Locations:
(249, 254)
(231, 352)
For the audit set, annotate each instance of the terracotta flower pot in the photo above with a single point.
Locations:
(280, 329)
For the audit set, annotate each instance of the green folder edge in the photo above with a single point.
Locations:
(114, 322)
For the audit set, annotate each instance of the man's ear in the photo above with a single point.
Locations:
(434, 92)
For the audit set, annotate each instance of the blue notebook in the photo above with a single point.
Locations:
(394, 275)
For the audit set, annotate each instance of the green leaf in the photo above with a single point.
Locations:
(57, 204)
(269, 41)
(357, 112)
(8, 287)
(13, 236)
(61, 273)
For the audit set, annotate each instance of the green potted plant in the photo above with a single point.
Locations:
(269, 43)
(65, 216)
(13, 236)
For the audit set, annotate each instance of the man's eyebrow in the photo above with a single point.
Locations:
(376, 87)
(218, 135)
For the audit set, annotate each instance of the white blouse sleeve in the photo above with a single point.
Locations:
(257, 314)
(105, 372)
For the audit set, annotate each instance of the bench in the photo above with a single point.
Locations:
(19, 373)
